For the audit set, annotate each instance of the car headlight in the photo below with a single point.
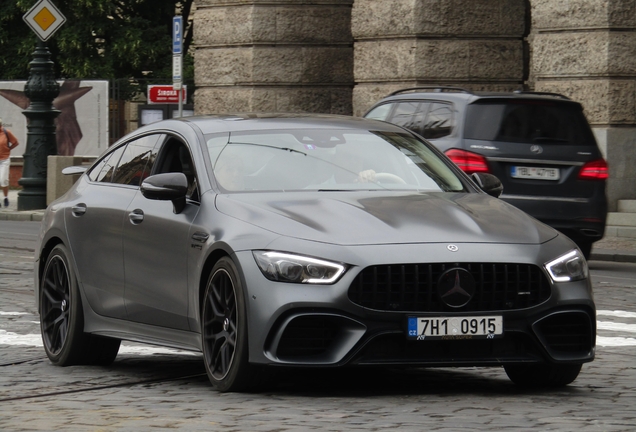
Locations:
(569, 267)
(285, 267)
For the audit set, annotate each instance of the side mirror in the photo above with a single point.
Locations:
(167, 187)
(488, 183)
(74, 170)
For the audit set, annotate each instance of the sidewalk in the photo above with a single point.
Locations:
(12, 213)
(619, 249)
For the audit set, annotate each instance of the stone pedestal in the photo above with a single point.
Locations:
(476, 44)
(280, 55)
(57, 183)
(586, 49)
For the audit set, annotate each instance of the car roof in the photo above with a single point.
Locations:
(465, 96)
(214, 123)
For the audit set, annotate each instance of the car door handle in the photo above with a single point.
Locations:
(78, 209)
(200, 237)
(136, 216)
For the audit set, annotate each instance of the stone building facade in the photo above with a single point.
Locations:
(340, 56)
(273, 55)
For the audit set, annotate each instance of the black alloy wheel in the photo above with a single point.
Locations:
(61, 318)
(224, 329)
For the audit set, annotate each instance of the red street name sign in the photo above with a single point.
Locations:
(165, 94)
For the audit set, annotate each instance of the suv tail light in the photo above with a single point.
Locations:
(594, 170)
(468, 161)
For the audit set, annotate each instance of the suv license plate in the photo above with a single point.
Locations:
(452, 328)
(535, 173)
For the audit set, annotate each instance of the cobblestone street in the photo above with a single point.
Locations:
(152, 388)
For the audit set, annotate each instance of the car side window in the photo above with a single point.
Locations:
(103, 170)
(137, 161)
(95, 171)
(410, 115)
(439, 121)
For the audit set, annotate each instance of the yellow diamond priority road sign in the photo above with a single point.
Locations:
(44, 19)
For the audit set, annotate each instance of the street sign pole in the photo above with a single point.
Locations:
(177, 53)
(41, 88)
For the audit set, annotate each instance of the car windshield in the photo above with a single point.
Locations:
(327, 160)
(527, 121)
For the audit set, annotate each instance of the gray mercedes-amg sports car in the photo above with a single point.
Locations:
(306, 241)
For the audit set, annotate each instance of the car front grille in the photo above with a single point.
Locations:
(414, 287)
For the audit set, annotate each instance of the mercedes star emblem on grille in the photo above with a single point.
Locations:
(456, 287)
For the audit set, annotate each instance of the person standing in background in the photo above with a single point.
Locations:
(7, 143)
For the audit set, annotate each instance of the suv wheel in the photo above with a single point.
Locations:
(586, 248)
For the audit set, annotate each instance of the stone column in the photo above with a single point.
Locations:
(273, 55)
(586, 49)
(475, 44)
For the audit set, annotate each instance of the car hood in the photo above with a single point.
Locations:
(359, 218)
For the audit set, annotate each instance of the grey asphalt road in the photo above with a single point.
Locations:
(148, 388)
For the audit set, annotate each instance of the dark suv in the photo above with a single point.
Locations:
(539, 145)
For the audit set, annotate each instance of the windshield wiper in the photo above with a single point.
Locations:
(338, 190)
(271, 146)
(548, 139)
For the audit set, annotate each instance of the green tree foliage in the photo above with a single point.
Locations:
(101, 39)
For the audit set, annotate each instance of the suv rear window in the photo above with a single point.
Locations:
(431, 119)
(527, 121)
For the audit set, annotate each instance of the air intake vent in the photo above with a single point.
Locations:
(566, 333)
(308, 336)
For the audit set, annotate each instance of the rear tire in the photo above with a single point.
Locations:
(62, 317)
(224, 330)
(543, 374)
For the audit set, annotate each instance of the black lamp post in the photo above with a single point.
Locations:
(41, 88)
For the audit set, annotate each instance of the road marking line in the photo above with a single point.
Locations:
(615, 341)
(616, 313)
(608, 325)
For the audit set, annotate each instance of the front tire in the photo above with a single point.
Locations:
(224, 329)
(542, 375)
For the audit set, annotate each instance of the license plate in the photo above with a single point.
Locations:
(452, 328)
(535, 173)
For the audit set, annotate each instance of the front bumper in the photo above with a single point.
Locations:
(310, 325)
(314, 338)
